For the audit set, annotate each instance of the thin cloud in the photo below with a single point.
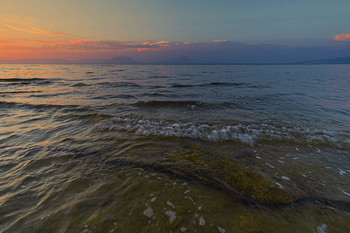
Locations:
(50, 33)
(71, 45)
(103, 45)
(11, 24)
(110, 45)
(36, 30)
(342, 37)
(95, 45)
(155, 51)
(157, 45)
(14, 19)
(219, 41)
(4, 30)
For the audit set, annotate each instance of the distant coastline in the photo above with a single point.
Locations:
(177, 61)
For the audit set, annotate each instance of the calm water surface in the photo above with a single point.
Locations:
(203, 148)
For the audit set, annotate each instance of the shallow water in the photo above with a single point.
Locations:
(112, 148)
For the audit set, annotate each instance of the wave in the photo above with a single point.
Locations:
(156, 87)
(18, 92)
(80, 85)
(173, 104)
(4, 104)
(16, 81)
(225, 84)
(21, 79)
(180, 85)
(117, 84)
(158, 77)
(156, 94)
(246, 133)
(121, 96)
(121, 70)
(189, 104)
(221, 84)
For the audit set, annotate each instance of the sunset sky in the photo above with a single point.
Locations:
(155, 30)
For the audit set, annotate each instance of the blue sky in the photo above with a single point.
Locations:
(49, 28)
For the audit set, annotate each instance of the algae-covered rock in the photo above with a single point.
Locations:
(240, 179)
(220, 172)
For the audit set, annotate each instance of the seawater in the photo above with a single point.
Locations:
(157, 148)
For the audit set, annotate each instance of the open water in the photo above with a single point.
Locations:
(193, 148)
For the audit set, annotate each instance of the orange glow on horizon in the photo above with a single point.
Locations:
(16, 48)
(22, 39)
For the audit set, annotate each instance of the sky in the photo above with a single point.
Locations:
(160, 30)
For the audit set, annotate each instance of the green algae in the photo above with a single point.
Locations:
(218, 171)
(232, 175)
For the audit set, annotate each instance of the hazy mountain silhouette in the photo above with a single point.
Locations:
(179, 60)
(123, 60)
(338, 60)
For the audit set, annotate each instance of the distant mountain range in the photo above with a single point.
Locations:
(128, 60)
(123, 60)
(180, 60)
(338, 60)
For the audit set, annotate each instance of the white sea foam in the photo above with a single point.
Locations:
(170, 204)
(172, 215)
(341, 172)
(246, 133)
(346, 193)
(201, 221)
(322, 228)
(183, 229)
(279, 185)
(221, 230)
(148, 212)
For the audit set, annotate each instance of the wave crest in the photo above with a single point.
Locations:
(245, 133)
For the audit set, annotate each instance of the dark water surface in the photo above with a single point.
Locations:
(203, 148)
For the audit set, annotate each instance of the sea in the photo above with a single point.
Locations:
(175, 148)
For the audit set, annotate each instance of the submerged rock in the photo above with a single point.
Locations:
(219, 172)
(236, 177)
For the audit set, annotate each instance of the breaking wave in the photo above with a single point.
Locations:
(245, 133)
